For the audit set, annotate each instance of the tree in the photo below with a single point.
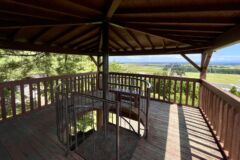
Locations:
(234, 91)
(20, 64)
(117, 67)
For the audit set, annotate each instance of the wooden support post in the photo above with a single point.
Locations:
(206, 56)
(99, 119)
(105, 53)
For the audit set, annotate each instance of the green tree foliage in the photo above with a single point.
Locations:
(234, 91)
(117, 67)
(20, 64)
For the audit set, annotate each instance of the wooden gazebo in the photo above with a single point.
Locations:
(101, 29)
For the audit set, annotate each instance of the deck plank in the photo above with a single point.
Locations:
(175, 132)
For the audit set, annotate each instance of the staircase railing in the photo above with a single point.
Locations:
(76, 117)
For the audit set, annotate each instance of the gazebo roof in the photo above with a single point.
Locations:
(136, 27)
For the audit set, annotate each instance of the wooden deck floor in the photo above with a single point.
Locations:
(174, 133)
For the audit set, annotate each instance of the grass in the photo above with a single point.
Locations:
(218, 77)
(211, 77)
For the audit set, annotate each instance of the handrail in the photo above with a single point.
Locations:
(20, 96)
(228, 97)
(222, 112)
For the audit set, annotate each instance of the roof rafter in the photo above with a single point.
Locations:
(117, 44)
(92, 41)
(29, 8)
(114, 5)
(87, 31)
(47, 24)
(142, 30)
(230, 37)
(150, 41)
(188, 50)
(82, 40)
(135, 38)
(39, 35)
(121, 37)
(40, 48)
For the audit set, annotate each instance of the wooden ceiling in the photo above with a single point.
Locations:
(136, 27)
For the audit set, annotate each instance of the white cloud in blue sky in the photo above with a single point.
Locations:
(229, 54)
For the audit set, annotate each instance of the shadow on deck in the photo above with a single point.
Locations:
(174, 133)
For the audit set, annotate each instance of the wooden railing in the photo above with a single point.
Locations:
(222, 111)
(21, 96)
(179, 90)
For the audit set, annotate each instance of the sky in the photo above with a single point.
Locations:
(229, 54)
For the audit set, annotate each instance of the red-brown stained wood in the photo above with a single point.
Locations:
(39, 94)
(22, 98)
(31, 95)
(13, 102)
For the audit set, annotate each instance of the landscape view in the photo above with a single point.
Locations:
(15, 65)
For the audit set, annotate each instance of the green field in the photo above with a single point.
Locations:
(223, 80)
(218, 77)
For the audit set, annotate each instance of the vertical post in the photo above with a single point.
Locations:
(105, 59)
(206, 56)
(105, 53)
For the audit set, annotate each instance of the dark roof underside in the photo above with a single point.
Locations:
(137, 27)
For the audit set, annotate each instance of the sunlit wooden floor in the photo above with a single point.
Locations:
(174, 133)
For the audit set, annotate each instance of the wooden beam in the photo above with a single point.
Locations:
(114, 5)
(87, 31)
(94, 61)
(89, 43)
(188, 50)
(121, 37)
(143, 31)
(42, 48)
(14, 34)
(230, 37)
(83, 40)
(38, 35)
(29, 8)
(62, 34)
(100, 42)
(135, 38)
(150, 41)
(206, 56)
(191, 62)
(116, 43)
(46, 24)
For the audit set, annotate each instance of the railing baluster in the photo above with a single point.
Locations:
(31, 96)
(3, 107)
(22, 98)
(39, 94)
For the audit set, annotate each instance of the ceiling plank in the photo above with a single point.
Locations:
(42, 48)
(35, 38)
(83, 40)
(29, 8)
(121, 37)
(230, 37)
(150, 41)
(93, 41)
(87, 31)
(62, 34)
(151, 33)
(114, 5)
(191, 62)
(135, 38)
(117, 44)
(188, 50)
(46, 24)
